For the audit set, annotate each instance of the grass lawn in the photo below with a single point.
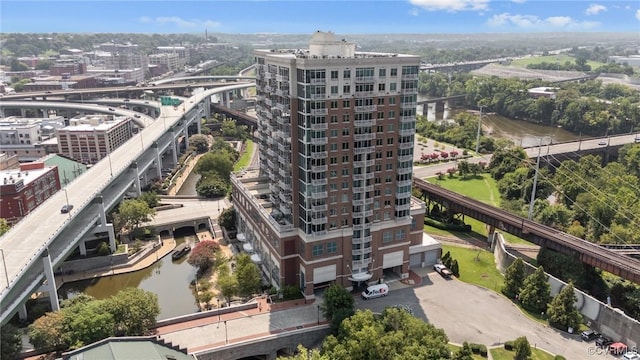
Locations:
(245, 158)
(551, 59)
(455, 348)
(481, 187)
(502, 354)
(477, 267)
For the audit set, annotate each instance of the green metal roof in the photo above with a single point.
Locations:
(127, 348)
(68, 169)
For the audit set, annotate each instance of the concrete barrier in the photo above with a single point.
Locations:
(205, 314)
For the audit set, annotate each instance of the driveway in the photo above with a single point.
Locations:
(474, 314)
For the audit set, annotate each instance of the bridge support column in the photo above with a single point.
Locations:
(109, 227)
(207, 108)
(51, 281)
(425, 109)
(174, 147)
(136, 176)
(431, 113)
(23, 113)
(22, 312)
(158, 161)
(490, 234)
(447, 110)
(83, 248)
(186, 134)
(272, 356)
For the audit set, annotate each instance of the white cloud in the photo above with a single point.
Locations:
(532, 22)
(638, 14)
(595, 9)
(452, 5)
(519, 1)
(414, 12)
(180, 22)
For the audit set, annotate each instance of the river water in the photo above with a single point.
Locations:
(166, 278)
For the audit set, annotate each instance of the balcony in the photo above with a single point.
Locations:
(360, 214)
(271, 153)
(403, 195)
(268, 115)
(407, 119)
(282, 160)
(318, 96)
(362, 250)
(282, 78)
(405, 158)
(360, 263)
(319, 155)
(318, 182)
(360, 137)
(319, 195)
(403, 183)
(361, 189)
(282, 92)
(284, 186)
(363, 163)
(319, 168)
(268, 89)
(260, 97)
(323, 126)
(404, 171)
(318, 81)
(282, 172)
(284, 197)
(271, 164)
(409, 90)
(408, 105)
(361, 240)
(368, 108)
(364, 150)
(319, 220)
(319, 207)
(364, 94)
(273, 188)
(285, 209)
(319, 112)
(403, 207)
(406, 132)
(362, 226)
(320, 141)
(282, 107)
(370, 122)
(268, 102)
(361, 202)
(405, 145)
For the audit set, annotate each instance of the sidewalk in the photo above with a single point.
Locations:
(136, 264)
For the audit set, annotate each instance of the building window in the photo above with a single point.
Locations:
(382, 72)
(345, 158)
(345, 146)
(332, 212)
(333, 187)
(345, 118)
(334, 119)
(346, 74)
(392, 100)
(378, 167)
(380, 114)
(400, 234)
(334, 104)
(390, 153)
(387, 203)
(317, 250)
(333, 160)
(345, 132)
(346, 103)
(332, 225)
(334, 133)
(392, 114)
(334, 146)
(394, 72)
(389, 141)
(387, 237)
(346, 89)
(389, 167)
(332, 247)
(391, 128)
(345, 172)
(345, 222)
(345, 198)
(381, 87)
(345, 185)
(334, 90)
(334, 74)
(387, 191)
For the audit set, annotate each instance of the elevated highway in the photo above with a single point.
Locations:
(618, 264)
(39, 243)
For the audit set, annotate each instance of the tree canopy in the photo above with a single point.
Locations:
(337, 305)
(562, 309)
(248, 275)
(536, 291)
(203, 255)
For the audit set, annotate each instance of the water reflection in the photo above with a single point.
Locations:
(524, 133)
(168, 279)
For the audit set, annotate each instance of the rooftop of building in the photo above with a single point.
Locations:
(128, 348)
(98, 122)
(12, 176)
(68, 169)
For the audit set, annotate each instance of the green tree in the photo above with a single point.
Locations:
(151, 198)
(48, 332)
(514, 278)
(219, 163)
(199, 142)
(464, 353)
(211, 185)
(4, 226)
(522, 348)
(134, 311)
(506, 159)
(10, 342)
(226, 283)
(203, 255)
(395, 334)
(303, 353)
(337, 305)
(248, 275)
(562, 310)
(86, 323)
(536, 291)
(227, 218)
(134, 212)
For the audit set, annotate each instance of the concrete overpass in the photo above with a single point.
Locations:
(40, 242)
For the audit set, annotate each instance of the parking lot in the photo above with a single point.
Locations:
(470, 313)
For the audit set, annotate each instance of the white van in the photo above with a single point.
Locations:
(375, 291)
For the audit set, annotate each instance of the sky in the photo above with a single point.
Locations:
(307, 16)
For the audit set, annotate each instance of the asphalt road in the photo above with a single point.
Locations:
(470, 313)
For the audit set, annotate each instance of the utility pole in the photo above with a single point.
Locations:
(479, 128)
(535, 183)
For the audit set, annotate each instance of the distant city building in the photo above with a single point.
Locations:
(61, 82)
(68, 169)
(126, 48)
(22, 137)
(547, 92)
(127, 61)
(331, 201)
(117, 76)
(24, 189)
(184, 53)
(167, 61)
(632, 60)
(9, 161)
(90, 138)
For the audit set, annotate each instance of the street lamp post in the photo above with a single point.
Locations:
(110, 167)
(6, 274)
(66, 195)
(479, 128)
(218, 312)
(226, 335)
(318, 314)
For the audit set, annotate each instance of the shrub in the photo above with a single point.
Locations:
(559, 357)
(508, 345)
(483, 350)
(291, 292)
(475, 348)
(103, 249)
(455, 268)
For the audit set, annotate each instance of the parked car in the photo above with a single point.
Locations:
(375, 291)
(603, 342)
(602, 142)
(637, 139)
(617, 348)
(111, 109)
(442, 270)
(66, 208)
(589, 335)
(631, 355)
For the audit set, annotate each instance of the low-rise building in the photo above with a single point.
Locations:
(24, 189)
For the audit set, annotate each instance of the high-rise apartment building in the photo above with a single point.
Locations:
(331, 202)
